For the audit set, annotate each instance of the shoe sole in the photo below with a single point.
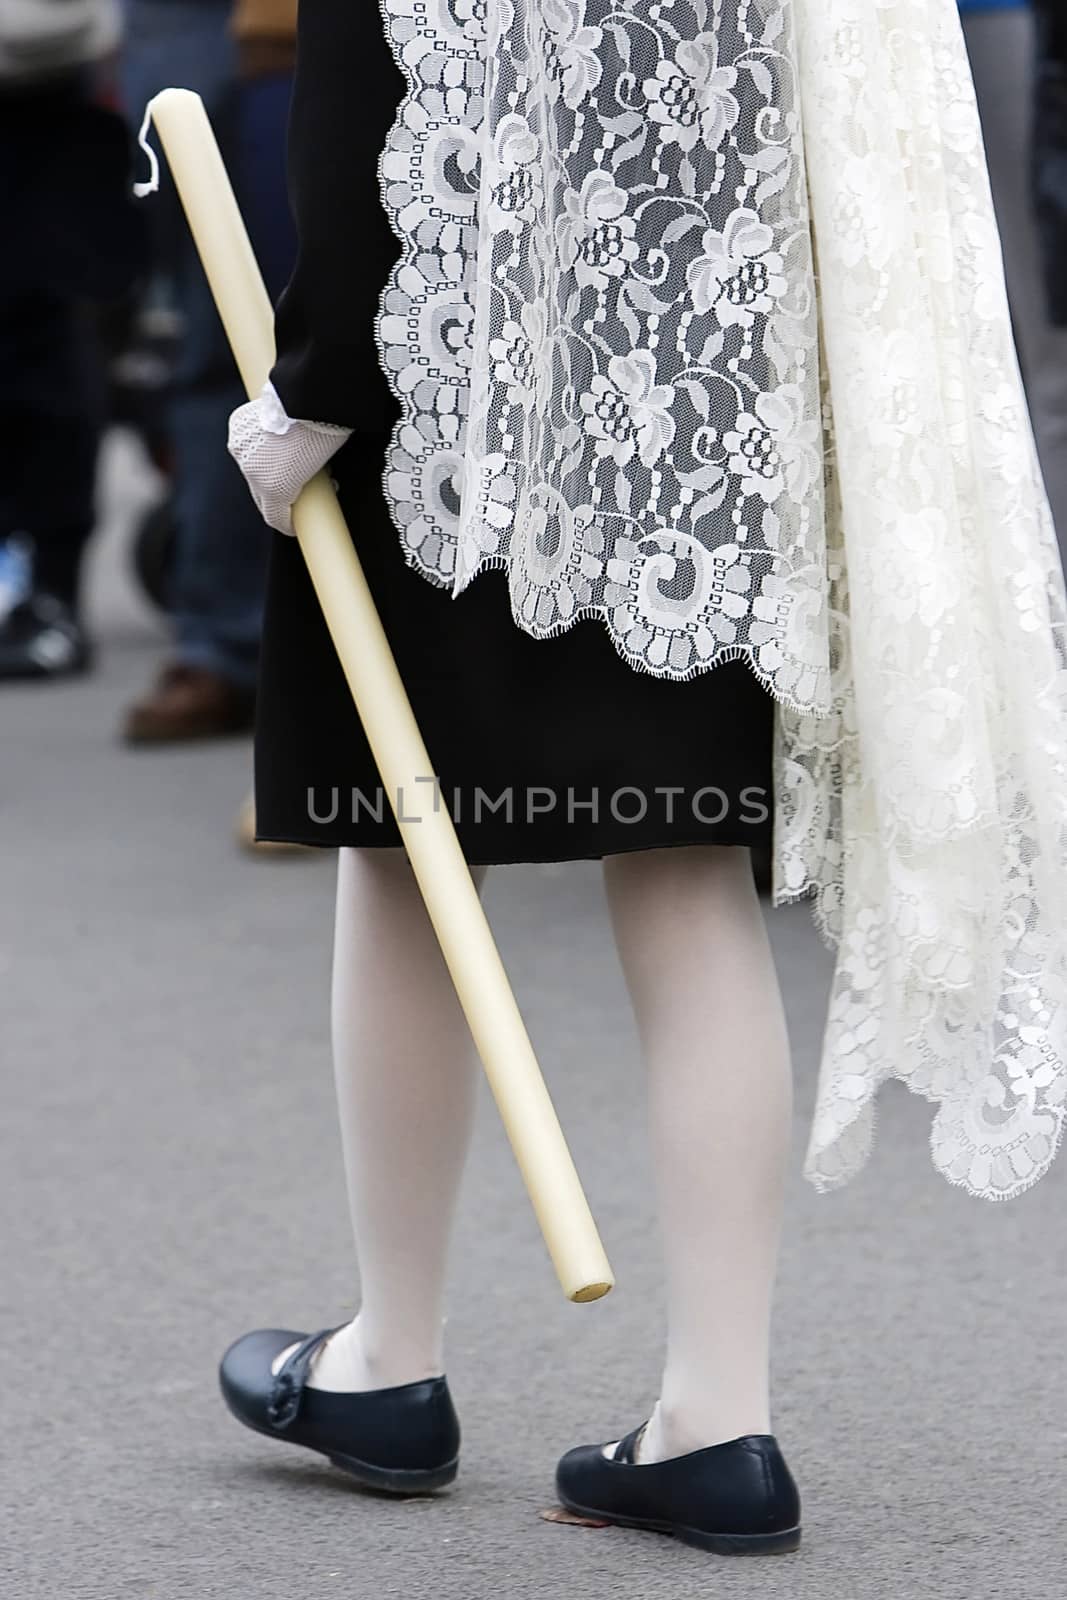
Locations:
(33, 672)
(398, 1480)
(720, 1544)
(386, 1480)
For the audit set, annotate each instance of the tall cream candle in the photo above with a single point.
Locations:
(425, 826)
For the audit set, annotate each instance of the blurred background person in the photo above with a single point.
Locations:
(1002, 44)
(240, 61)
(265, 34)
(72, 236)
(1050, 151)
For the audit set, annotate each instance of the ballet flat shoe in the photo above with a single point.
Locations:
(403, 1440)
(735, 1499)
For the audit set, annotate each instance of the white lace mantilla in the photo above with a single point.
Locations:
(619, 383)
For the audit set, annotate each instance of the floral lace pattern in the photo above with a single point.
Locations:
(618, 383)
(928, 812)
(604, 329)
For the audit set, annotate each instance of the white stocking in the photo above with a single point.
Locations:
(698, 964)
(406, 1075)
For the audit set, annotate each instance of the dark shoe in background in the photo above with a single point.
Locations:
(188, 703)
(40, 637)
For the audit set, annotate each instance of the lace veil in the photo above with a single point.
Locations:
(625, 379)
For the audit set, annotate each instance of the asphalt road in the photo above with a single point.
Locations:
(172, 1177)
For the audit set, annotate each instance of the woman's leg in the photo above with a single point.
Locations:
(698, 964)
(406, 1076)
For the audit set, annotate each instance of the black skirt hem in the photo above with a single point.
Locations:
(728, 839)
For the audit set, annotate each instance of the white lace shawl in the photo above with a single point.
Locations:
(623, 381)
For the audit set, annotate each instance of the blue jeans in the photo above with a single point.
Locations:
(220, 557)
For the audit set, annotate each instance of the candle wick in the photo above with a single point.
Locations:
(152, 185)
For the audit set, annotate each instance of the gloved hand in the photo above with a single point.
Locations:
(278, 454)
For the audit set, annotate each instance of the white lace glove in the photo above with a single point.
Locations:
(278, 454)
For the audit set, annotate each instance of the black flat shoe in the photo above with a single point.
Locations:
(736, 1499)
(42, 638)
(403, 1440)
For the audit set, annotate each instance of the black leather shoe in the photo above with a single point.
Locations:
(736, 1499)
(42, 638)
(403, 1440)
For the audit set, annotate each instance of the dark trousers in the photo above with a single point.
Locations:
(52, 392)
(221, 544)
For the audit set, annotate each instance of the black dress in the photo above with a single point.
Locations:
(546, 750)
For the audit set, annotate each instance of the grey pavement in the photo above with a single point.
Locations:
(172, 1177)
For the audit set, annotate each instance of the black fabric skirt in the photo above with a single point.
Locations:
(545, 750)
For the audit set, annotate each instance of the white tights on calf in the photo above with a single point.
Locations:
(406, 1074)
(705, 994)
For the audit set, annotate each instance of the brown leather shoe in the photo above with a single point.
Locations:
(189, 703)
